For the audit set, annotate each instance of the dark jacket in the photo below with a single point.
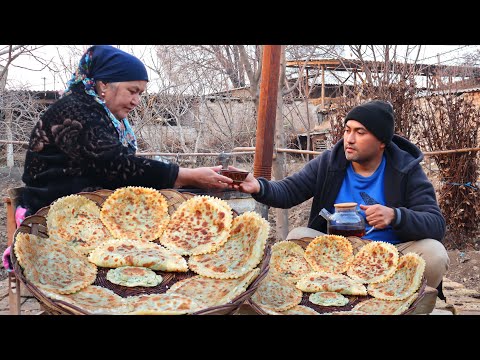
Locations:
(75, 147)
(406, 188)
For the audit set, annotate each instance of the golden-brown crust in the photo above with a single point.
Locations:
(324, 281)
(200, 225)
(163, 304)
(96, 300)
(135, 213)
(52, 265)
(242, 252)
(213, 292)
(330, 253)
(117, 253)
(405, 281)
(288, 259)
(276, 293)
(296, 310)
(376, 306)
(374, 262)
(347, 312)
(75, 219)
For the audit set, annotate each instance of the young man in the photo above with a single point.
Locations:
(379, 171)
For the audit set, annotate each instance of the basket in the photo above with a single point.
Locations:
(37, 225)
(357, 243)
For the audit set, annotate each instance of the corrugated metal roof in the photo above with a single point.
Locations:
(448, 91)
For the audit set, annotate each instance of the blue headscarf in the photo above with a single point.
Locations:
(109, 64)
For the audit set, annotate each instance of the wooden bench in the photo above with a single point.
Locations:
(14, 290)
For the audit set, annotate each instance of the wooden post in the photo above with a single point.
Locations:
(267, 109)
(323, 87)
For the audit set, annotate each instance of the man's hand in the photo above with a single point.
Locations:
(250, 185)
(378, 215)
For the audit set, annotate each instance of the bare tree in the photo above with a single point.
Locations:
(384, 73)
(448, 121)
(19, 112)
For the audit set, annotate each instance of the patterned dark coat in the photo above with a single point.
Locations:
(75, 147)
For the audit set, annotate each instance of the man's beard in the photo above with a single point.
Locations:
(355, 157)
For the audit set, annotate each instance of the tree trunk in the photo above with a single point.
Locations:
(8, 123)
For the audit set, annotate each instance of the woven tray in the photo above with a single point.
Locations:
(357, 243)
(37, 225)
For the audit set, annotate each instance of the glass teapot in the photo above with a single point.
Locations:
(346, 220)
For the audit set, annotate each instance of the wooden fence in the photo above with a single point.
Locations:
(250, 150)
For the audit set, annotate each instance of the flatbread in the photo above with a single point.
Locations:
(241, 253)
(328, 298)
(26, 245)
(96, 300)
(132, 276)
(374, 263)
(135, 213)
(296, 310)
(405, 281)
(117, 253)
(324, 281)
(346, 312)
(288, 260)
(213, 292)
(200, 225)
(375, 306)
(75, 220)
(329, 253)
(163, 304)
(53, 266)
(276, 293)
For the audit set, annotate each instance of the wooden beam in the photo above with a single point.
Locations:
(267, 110)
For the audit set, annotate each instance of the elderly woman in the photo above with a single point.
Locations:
(84, 142)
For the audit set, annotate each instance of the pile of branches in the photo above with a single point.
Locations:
(449, 122)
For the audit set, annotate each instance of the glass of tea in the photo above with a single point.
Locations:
(346, 221)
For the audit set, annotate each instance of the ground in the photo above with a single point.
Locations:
(464, 264)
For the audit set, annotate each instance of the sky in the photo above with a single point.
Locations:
(32, 75)
(28, 74)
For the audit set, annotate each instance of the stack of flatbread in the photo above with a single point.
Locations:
(243, 250)
(136, 240)
(330, 276)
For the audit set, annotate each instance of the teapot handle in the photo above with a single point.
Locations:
(325, 214)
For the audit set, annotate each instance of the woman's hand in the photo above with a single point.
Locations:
(202, 177)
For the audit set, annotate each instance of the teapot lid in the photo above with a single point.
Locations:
(345, 205)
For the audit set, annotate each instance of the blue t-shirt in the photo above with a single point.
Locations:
(368, 191)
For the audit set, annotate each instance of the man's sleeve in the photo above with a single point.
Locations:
(292, 190)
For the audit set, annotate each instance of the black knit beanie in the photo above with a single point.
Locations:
(377, 116)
